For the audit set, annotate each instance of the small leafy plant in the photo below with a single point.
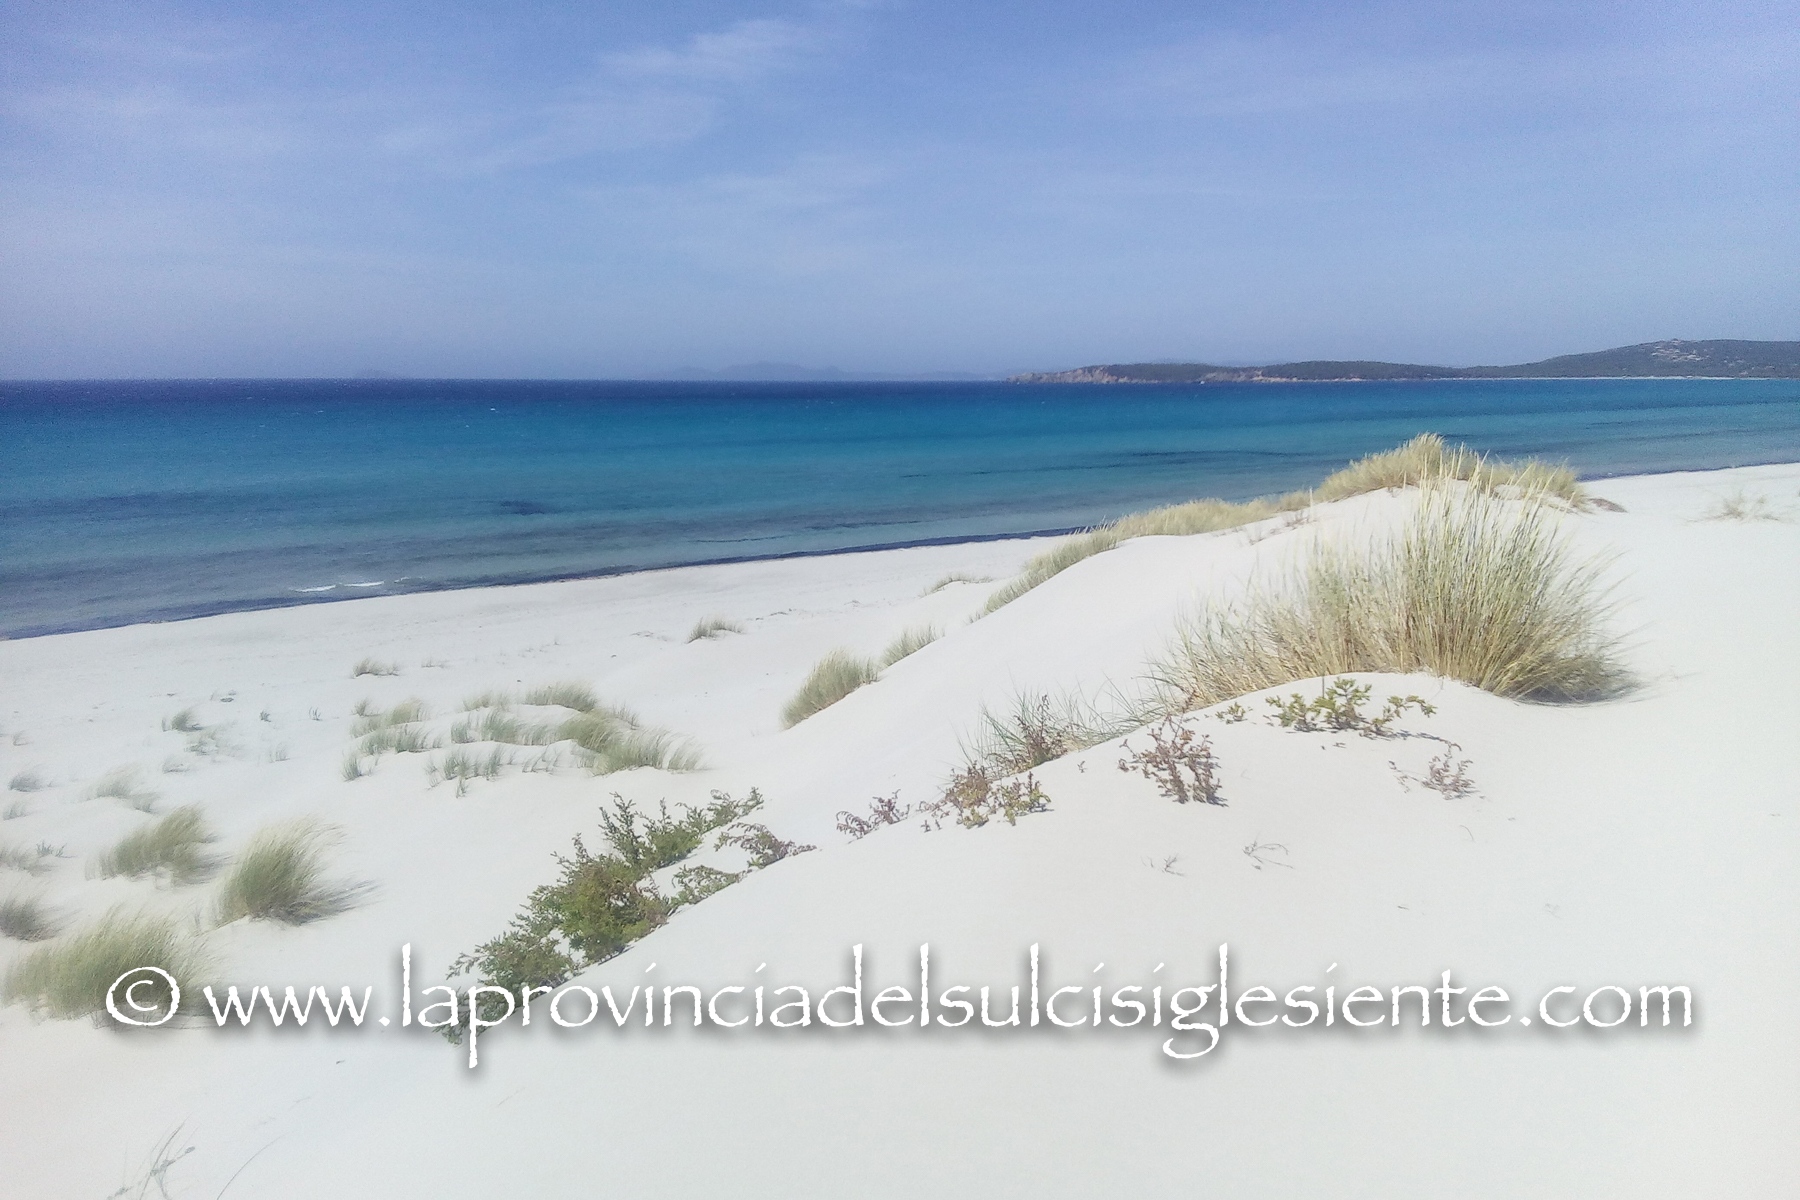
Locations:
(1338, 708)
(883, 810)
(1182, 766)
(973, 797)
(1446, 775)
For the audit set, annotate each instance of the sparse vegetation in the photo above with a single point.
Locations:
(280, 877)
(712, 627)
(578, 697)
(954, 577)
(462, 766)
(909, 642)
(973, 797)
(883, 810)
(173, 847)
(1038, 730)
(26, 919)
(16, 858)
(15, 810)
(483, 700)
(1424, 460)
(1445, 774)
(122, 784)
(1469, 589)
(183, 722)
(1181, 765)
(70, 978)
(28, 780)
(372, 666)
(1741, 506)
(370, 719)
(834, 677)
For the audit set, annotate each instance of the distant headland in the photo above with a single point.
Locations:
(1674, 358)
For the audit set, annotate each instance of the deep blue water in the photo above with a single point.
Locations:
(134, 501)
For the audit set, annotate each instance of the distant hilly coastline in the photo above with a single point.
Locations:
(1719, 359)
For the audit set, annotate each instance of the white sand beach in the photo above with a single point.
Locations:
(1649, 839)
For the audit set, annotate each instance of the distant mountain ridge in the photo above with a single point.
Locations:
(1673, 358)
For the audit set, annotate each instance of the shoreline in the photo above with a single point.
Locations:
(176, 615)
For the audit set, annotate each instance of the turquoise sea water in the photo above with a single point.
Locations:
(133, 501)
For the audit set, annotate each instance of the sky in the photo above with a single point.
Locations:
(622, 190)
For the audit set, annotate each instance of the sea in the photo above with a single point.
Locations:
(124, 502)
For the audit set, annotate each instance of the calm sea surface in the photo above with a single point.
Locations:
(125, 502)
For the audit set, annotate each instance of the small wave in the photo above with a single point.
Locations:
(330, 587)
(372, 583)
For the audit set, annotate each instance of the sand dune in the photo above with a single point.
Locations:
(1645, 840)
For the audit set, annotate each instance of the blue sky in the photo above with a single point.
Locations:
(611, 189)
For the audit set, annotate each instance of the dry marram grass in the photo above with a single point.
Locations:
(1425, 459)
(1471, 588)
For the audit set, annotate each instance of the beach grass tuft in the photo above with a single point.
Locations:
(908, 642)
(954, 577)
(281, 877)
(1471, 588)
(656, 748)
(70, 978)
(373, 666)
(712, 627)
(578, 697)
(121, 784)
(1039, 728)
(370, 719)
(28, 780)
(26, 919)
(489, 699)
(1741, 506)
(15, 810)
(17, 858)
(831, 679)
(183, 722)
(173, 847)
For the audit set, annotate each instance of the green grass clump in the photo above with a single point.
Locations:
(712, 627)
(577, 696)
(121, 784)
(834, 677)
(174, 847)
(370, 719)
(460, 766)
(909, 642)
(656, 748)
(500, 725)
(280, 877)
(1471, 588)
(26, 919)
(373, 666)
(490, 699)
(29, 780)
(70, 978)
